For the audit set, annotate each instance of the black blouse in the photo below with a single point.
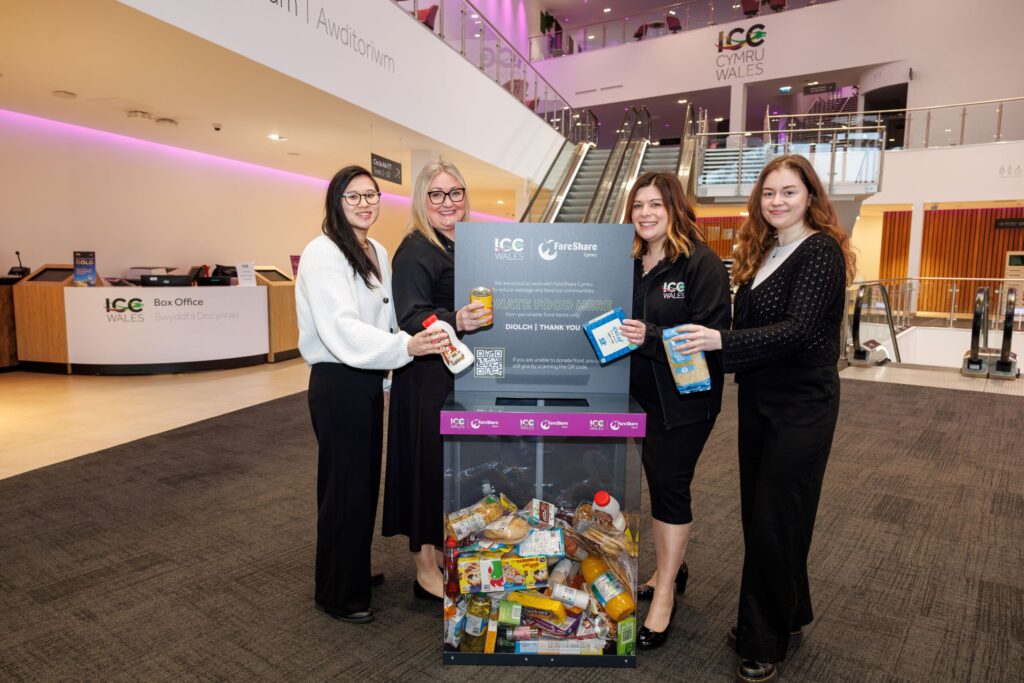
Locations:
(423, 281)
(693, 289)
(793, 317)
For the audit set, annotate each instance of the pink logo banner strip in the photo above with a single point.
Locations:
(609, 425)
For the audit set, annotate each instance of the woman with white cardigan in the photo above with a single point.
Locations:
(349, 337)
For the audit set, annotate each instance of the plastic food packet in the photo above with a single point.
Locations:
(547, 543)
(466, 521)
(690, 371)
(508, 529)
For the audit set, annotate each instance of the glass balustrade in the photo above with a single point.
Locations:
(664, 21)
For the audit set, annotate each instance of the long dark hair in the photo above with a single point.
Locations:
(756, 237)
(683, 232)
(339, 230)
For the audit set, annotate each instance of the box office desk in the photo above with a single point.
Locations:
(560, 450)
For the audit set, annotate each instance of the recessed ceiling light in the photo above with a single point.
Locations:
(139, 114)
(276, 138)
(166, 122)
(476, 35)
(948, 130)
(785, 89)
(719, 119)
(682, 101)
(812, 82)
(64, 94)
(501, 201)
(672, 12)
(474, 16)
(590, 37)
(607, 10)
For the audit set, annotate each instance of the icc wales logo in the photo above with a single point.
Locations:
(735, 39)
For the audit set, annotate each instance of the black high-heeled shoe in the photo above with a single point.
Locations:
(647, 639)
(645, 592)
(422, 593)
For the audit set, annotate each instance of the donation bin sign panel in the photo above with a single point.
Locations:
(548, 280)
(144, 325)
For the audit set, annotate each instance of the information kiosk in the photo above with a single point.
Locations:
(39, 318)
(535, 430)
(281, 316)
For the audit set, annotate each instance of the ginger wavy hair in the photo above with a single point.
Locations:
(682, 230)
(756, 237)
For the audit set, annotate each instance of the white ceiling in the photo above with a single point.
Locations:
(117, 59)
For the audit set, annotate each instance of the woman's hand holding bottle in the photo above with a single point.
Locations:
(426, 342)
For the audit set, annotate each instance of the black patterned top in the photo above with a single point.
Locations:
(793, 317)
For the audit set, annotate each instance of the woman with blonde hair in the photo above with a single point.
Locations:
(677, 279)
(793, 262)
(424, 285)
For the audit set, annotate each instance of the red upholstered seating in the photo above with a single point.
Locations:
(428, 16)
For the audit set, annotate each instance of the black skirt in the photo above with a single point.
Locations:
(413, 484)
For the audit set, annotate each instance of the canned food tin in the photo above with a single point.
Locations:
(485, 296)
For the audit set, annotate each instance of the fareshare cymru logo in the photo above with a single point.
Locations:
(549, 249)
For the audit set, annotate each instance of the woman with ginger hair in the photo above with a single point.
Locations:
(792, 264)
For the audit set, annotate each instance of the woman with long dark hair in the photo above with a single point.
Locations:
(677, 279)
(425, 286)
(350, 338)
(793, 262)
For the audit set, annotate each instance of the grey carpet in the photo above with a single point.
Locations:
(188, 555)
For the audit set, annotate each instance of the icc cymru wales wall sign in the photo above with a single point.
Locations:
(740, 53)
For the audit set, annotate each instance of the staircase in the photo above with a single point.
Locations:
(577, 199)
(721, 174)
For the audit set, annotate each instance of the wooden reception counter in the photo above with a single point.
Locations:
(143, 330)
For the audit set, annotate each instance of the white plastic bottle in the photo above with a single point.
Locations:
(604, 503)
(456, 355)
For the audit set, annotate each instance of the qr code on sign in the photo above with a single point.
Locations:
(489, 362)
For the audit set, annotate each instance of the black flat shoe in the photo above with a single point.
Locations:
(423, 594)
(795, 638)
(376, 580)
(647, 639)
(750, 671)
(358, 617)
(645, 592)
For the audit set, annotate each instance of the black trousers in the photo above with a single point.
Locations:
(347, 409)
(787, 417)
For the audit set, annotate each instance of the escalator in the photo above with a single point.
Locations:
(873, 323)
(581, 192)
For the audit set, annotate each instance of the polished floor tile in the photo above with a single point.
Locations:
(46, 419)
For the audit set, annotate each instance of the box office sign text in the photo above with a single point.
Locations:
(145, 325)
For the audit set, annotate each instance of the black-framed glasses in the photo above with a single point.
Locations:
(456, 194)
(352, 198)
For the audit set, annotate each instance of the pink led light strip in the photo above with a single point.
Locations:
(59, 127)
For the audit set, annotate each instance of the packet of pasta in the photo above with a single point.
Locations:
(690, 371)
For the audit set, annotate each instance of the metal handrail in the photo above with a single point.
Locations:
(625, 134)
(639, 114)
(681, 10)
(893, 111)
(855, 324)
(540, 187)
(1010, 314)
(979, 324)
(549, 89)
